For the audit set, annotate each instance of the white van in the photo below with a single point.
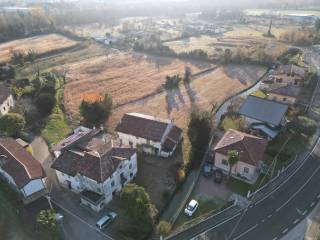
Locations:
(104, 221)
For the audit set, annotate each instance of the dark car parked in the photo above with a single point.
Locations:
(218, 176)
(207, 170)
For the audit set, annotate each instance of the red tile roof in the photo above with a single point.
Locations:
(91, 164)
(142, 126)
(18, 163)
(249, 147)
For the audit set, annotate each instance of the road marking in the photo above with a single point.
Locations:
(263, 220)
(305, 212)
(245, 232)
(275, 238)
(225, 221)
(309, 154)
(312, 204)
(284, 231)
(270, 215)
(318, 196)
(299, 211)
(299, 190)
(295, 221)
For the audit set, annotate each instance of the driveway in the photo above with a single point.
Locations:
(206, 188)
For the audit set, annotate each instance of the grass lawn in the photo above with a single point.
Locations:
(238, 186)
(242, 188)
(233, 122)
(56, 127)
(294, 146)
(259, 94)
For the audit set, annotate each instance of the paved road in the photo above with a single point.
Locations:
(275, 215)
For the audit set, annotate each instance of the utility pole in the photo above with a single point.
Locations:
(269, 31)
(48, 197)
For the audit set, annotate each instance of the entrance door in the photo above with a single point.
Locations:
(69, 184)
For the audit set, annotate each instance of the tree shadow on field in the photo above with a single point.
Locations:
(191, 93)
(172, 101)
(159, 61)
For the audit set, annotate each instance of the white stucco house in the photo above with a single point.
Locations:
(154, 136)
(250, 150)
(6, 100)
(88, 163)
(21, 171)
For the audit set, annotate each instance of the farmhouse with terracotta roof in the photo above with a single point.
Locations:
(250, 149)
(21, 170)
(89, 163)
(153, 135)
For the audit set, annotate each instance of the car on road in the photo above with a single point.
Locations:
(191, 207)
(59, 217)
(106, 220)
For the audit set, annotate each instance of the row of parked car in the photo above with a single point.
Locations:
(208, 170)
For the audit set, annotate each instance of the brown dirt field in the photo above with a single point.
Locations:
(40, 44)
(203, 92)
(126, 77)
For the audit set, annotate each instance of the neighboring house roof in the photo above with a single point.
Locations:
(79, 134)
(4, 94)
(249, 147)
(289, 90)
(263, 110)
(91, 164)
(18, 163)
(143, 126)
(290, 69)
(172, 139)
(90, 154)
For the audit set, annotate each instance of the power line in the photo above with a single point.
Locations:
(274, 161)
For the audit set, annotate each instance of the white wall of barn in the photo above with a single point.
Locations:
(6, 105)
(126, 139)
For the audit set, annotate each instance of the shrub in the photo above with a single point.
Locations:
(199, 130)
(305, 125)
(45, 103)
(138, 206)
(164, 228)
(31, 55)
(11, 124)
(181, 175)
(18, 57)
(98, 111)
(172, 82)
